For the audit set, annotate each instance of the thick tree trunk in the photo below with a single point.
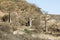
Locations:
(9, 18)
(46, 28)
(30, 22)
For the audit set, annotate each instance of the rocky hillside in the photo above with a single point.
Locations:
(56, 17)
(20, 20)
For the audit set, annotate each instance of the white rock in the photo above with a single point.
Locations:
(18, 32)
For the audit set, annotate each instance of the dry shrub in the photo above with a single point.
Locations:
(5, 27)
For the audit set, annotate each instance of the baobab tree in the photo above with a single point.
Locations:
(46, 22)
(9, 17)
(45, 19)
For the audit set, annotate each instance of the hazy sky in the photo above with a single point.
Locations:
(51, 6)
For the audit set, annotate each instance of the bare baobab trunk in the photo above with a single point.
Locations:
(46, 28)
(30, 22)
(9, 17)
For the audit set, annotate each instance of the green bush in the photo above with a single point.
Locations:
(26, 30)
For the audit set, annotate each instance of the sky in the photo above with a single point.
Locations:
(50, 6)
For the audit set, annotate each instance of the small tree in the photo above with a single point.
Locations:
(46, 22)
(45, 16)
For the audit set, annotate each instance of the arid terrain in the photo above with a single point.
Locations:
(20, 20)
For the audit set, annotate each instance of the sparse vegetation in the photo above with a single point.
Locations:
(20, 15)
(5, 18)
(26, 30)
